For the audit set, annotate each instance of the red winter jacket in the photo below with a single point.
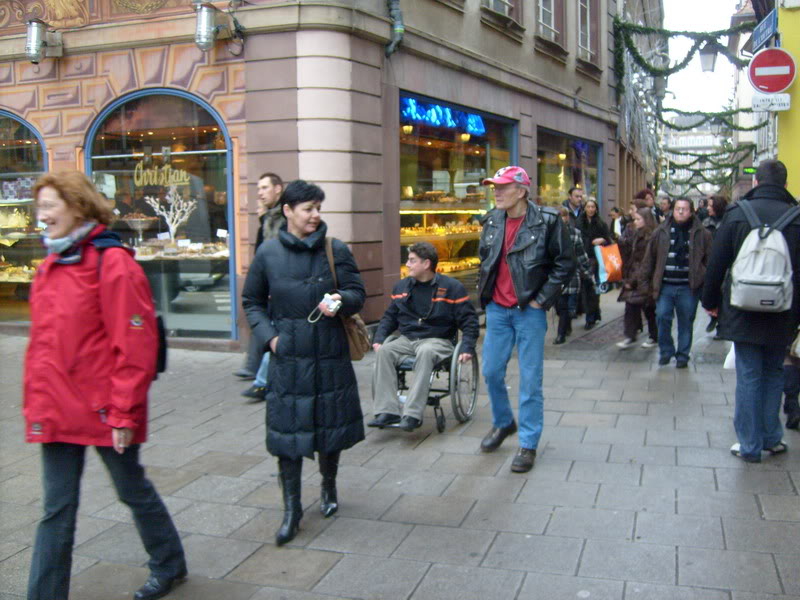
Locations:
(93, 344)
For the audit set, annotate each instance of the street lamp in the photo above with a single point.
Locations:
(708, 56)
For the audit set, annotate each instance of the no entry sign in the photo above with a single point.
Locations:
(771, 70)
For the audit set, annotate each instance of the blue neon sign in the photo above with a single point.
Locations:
(438, 115)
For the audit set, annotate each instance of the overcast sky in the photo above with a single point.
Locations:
(695, 90)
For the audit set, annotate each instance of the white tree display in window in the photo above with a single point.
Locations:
(176, 212)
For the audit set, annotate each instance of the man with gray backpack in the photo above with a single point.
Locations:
(758, 247)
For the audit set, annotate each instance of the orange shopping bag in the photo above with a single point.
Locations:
(609, 262)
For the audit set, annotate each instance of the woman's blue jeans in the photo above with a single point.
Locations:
(62, 467)
(759, 390)
(261, 376)
(525, 328)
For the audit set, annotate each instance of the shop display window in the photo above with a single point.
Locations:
(564, 162)
(161, 160)
(445, 153)
(22, 160)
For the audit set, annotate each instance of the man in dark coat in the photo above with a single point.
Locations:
(574, 204)
(428, 309)
(760, 338)
(526, 260)
(677, 256)
(270, 219)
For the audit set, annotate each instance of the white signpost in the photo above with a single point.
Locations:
(771, 102)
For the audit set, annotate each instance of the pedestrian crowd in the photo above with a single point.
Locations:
(94, 341)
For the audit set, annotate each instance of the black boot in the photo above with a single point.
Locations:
(289, 471)
(328, 467)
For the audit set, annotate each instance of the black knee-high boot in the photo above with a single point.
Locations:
(289, 472)
(328, 467)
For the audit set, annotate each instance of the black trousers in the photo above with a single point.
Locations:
(62, 467)
(633, 320)
(791, 389)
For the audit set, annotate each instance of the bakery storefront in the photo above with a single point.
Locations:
(22, 160)
(163, 160)
(565, 162)
(445, 153)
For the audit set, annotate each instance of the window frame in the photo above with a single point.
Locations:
(551, 37)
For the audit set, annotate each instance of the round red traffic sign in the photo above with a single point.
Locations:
(771, 70)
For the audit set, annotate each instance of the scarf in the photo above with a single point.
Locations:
(63, 244)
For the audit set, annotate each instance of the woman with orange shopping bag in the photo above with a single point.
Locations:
(595, 233)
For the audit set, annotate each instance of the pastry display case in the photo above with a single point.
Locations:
(21, 249)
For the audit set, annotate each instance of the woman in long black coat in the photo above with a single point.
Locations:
(595, 233)
(312, 400)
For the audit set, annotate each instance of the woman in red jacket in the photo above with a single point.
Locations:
(88, 368)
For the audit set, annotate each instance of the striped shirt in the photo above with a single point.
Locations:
(677, 267)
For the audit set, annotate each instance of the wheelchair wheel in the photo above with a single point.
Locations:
(464, 379)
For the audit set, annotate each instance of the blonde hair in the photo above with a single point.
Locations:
(78, 192)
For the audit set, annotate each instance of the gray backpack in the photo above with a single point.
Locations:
(761, 274)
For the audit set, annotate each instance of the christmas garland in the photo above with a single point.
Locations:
(722, 118)
(623, 40)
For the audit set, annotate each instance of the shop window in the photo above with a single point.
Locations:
(588, 26)
(564, 162)
(162, 161)
(22, 160)
(445, 153)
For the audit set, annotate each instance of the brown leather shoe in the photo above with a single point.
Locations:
(496, 436)
(523, 461)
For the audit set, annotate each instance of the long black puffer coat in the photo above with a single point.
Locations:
(312, 396)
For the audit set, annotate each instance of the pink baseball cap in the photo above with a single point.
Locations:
(510, 175)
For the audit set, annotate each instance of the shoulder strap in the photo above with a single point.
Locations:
(749, 214)
(331, 264)
(786, 218)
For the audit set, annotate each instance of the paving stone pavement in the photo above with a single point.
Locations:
(634, 495)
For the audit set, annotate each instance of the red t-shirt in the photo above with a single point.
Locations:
(504, 294)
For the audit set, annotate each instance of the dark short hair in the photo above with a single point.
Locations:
(614, 209)
(688, 201)
(425, 251)
(667, 198)
(572, 189)
(771, 171)
(299, 191)
(273, 177)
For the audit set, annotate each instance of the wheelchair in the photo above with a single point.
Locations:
(449, 377)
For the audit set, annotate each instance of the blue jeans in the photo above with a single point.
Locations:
(759, 390)
(261, 376)
(526, 328)
(675, 299)
(62, 467)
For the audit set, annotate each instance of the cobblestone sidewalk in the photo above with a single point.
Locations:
(634, 496)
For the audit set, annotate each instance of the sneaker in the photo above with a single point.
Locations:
(778, 448)
(664, 360)
(681, 363)
(626, 343)
(256, 393)
(651, 343)
(736, 450)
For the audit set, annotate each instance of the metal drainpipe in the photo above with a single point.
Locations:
(398, 28)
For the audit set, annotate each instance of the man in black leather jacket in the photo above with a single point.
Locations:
(526, 260)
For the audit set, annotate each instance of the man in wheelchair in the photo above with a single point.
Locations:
(428, 309)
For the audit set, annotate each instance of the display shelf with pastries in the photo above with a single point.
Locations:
(155, 249)
(21, 249)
